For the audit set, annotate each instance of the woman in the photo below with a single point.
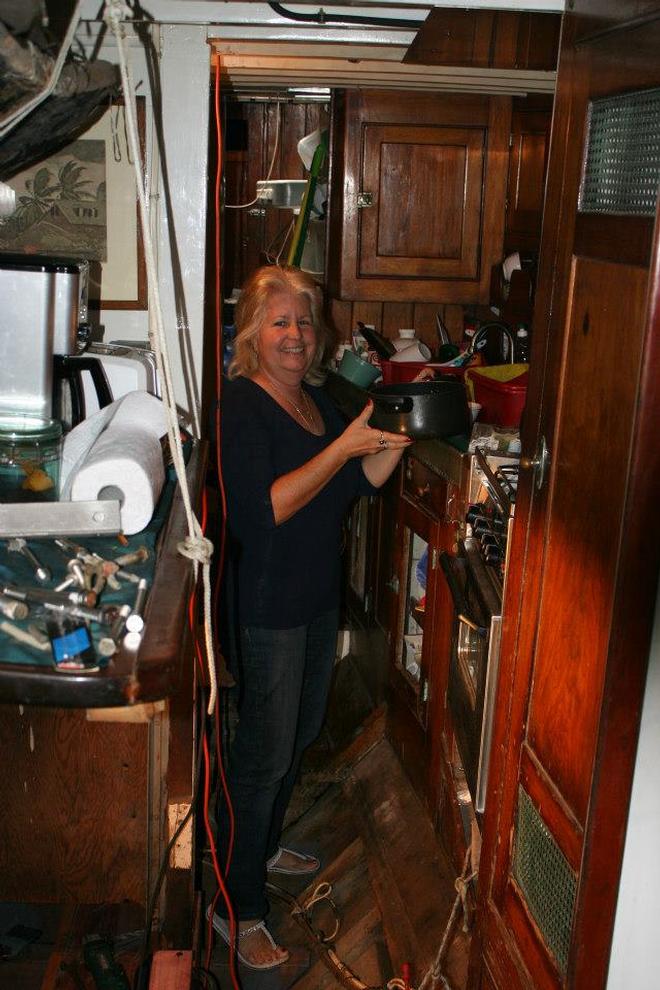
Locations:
(291, 469)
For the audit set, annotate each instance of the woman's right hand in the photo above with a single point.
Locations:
(359, 439)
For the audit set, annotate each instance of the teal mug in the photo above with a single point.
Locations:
(355, 370)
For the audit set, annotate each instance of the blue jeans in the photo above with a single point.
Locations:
(285, 680)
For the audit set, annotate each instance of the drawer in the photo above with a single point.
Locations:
(425, 487)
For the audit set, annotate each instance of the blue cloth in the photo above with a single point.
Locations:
(421, 569)
(287, 574)
(285, 681)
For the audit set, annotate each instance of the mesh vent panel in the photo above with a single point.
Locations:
(621, 170)
(545, 878)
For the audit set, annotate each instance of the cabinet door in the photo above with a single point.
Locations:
(585, 552)
(412, 649)
(418, 190)
(426, 190)
(530, 138)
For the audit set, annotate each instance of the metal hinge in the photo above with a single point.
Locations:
(434, 558)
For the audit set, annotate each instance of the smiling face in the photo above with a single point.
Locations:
(287, 340)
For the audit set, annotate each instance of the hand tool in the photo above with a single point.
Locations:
(41, 595)
(134, 621)
(19, 545)
(13, 609)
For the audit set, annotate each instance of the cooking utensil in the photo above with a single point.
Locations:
(421, 410)
(383, 347)
(441, 330)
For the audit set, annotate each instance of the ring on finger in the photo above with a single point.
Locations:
(382, 439)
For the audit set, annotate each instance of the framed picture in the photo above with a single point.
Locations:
(82, 203)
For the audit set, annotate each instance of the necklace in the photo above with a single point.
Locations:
(308, 417)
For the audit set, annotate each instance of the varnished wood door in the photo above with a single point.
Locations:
(418, 189)
(584, 564)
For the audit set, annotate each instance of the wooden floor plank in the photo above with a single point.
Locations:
(391, 882)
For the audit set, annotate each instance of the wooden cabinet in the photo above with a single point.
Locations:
(528, 156)
(418, 186)
(99, 766)
(427, 518)
(585, 551)
(487, 39)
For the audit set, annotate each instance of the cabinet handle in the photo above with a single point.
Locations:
(364, 199)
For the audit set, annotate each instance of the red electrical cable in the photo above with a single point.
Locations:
(218, 429)
(207, 790)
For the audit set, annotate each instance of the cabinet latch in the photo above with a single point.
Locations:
(364, 199)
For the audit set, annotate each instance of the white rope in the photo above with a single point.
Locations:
(242, 206)
(27, 108)
(434, 976)
(196, 547)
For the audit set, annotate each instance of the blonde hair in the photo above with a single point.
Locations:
(253, 301)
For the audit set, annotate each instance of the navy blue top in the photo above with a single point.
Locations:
(287, 574)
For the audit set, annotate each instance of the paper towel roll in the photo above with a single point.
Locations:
(133, 408)
(125, 463)
(116, 454)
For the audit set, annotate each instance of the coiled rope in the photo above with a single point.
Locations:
(196, 547)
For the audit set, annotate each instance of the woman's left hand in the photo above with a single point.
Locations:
(359, 439)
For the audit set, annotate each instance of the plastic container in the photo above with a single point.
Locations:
(30, 457)
(501, 390)
(395, 372)
(356, 370)
(406, 337)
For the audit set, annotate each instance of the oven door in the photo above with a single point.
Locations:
(473, 660)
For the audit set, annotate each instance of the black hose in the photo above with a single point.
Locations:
(321, 17)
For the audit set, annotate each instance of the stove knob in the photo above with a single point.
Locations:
(493, 555)
(481, 526)
(489, 540)
(473, 513)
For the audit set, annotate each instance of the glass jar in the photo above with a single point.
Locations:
(30, 456)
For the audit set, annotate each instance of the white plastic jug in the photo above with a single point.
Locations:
(406, 338)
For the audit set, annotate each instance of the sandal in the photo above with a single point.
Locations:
(222, 928)
(308, 864)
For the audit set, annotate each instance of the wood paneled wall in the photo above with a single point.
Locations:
(390, 317)
(251, 237)
(252, 240)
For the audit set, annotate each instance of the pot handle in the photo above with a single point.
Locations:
(394, 403)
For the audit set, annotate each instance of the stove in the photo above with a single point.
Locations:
(475, 576)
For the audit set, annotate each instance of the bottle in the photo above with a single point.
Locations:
(521, 351)
(407, 337)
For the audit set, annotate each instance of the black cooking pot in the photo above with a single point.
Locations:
(421, 410)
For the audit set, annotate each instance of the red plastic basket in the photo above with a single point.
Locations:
(395, 372)
(502, 403)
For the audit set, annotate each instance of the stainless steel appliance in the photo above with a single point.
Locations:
(43, 313)
(475, 576)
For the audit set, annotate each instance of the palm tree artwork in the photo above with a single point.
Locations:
(61, 205)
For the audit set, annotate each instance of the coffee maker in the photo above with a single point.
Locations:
(43, 332)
